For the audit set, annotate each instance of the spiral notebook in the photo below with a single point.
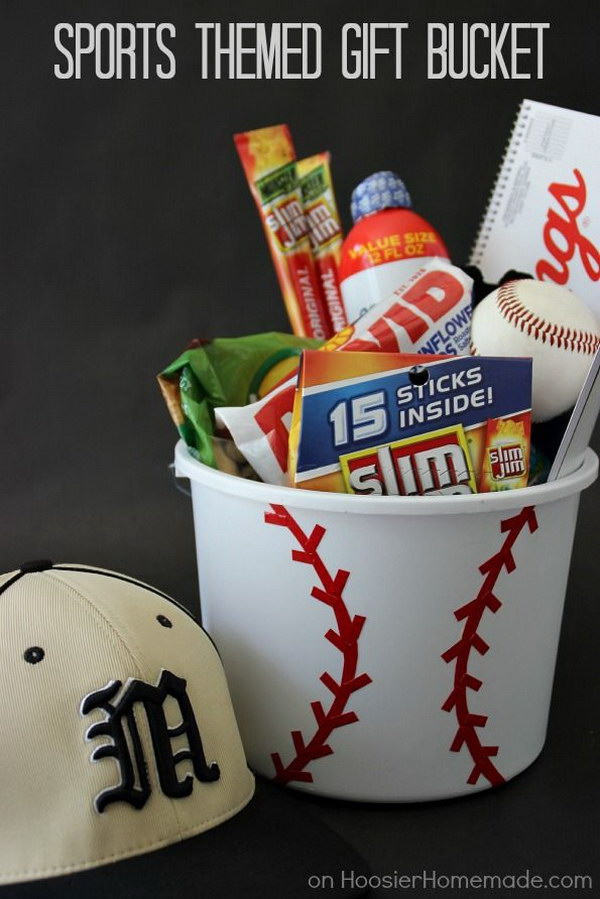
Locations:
(544, 213)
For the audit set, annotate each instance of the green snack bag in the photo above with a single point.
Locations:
(227, 371)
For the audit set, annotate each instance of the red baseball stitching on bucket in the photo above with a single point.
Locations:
(513, 310)
(345, 639)
(472, 613)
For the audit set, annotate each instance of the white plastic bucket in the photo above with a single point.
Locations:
(385, 648)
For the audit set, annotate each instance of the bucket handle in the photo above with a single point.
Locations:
(176, 483)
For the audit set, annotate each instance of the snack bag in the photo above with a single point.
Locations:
(269, 161)
(325, 230)
(261, 430)
(216, 373)
(361, 421)
(431, 312)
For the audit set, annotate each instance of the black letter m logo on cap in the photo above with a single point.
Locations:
(126, 747)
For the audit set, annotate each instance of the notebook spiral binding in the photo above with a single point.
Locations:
(496, 197)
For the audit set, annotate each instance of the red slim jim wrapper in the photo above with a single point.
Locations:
(325, 231)
(269, 162)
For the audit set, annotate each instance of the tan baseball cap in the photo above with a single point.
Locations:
(118, 739)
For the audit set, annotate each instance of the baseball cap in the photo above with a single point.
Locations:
(122, 772)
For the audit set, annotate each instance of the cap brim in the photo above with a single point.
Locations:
(273, 848)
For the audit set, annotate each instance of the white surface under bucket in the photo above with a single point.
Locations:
(385, 648)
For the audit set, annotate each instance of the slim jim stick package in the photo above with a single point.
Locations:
(408, 424)
(325, 231)
(269, 162)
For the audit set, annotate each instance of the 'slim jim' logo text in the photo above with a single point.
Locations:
(287, 222)
(437, 463)
(507, 461)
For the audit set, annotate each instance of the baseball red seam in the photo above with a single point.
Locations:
(513, 310)
(472, 613)
(345, 639)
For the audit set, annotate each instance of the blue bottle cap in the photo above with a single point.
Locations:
(383, 190)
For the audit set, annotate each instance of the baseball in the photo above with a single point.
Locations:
(548, 323)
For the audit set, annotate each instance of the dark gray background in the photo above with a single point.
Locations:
(128, 229)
